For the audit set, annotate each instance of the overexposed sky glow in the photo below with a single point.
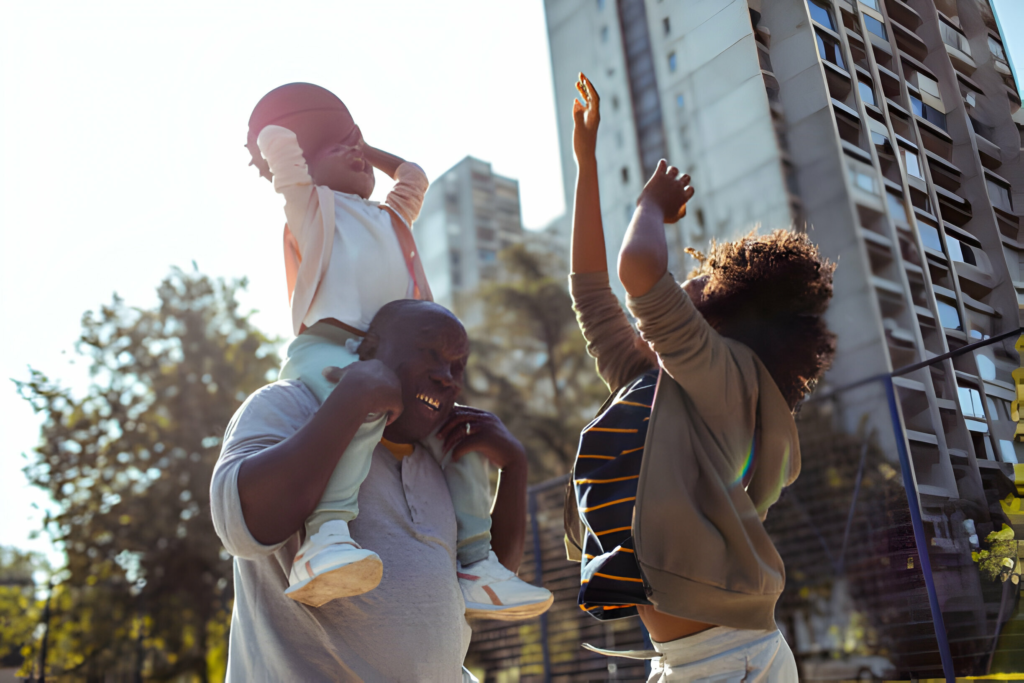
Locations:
(121, 140)
(122, 133)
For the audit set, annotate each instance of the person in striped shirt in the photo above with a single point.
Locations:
(674, 477)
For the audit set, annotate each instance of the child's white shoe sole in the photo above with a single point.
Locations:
(508, 612)
(343, 581)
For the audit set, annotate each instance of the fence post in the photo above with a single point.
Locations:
(919, 538)
(539, 579)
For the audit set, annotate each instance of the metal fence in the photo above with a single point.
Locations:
(881, 580)
(549, 648)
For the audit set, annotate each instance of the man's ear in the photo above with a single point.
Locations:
(368, 347)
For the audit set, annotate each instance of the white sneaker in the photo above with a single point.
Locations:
(493, 592)
(331, 565)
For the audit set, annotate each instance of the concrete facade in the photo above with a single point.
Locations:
(891, 131)
(469, 215)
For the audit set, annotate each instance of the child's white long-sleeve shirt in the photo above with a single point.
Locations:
(343, 256)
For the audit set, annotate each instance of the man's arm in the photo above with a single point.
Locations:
(491, 439)
(280, 486)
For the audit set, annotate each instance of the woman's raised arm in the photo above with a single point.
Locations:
(621, 354)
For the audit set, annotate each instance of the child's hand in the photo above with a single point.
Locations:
(667, 191)
(372, 381)
(470, 429)
(586, 118)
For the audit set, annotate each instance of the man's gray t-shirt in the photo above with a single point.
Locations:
(411, 627)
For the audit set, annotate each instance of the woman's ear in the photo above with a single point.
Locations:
(368, 347)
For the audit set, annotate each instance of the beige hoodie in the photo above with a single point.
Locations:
(698, 533)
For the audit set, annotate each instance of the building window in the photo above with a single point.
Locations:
(600, 5)
(604, 34)
(880, 140)
(953, 38)
(928, 85)
(672, 62)
(986, 368)
(875, 26)
(929, 236)
(666, 25)
(867, 93)
(896, 207)
(615, 102)
(828, 49)
(862, 177)
(953, 249)
(625, 175)
(821, 14)
(1006, 451)
(999, 194)
(487, 255)
(911, 162)
(996, 48)
(679, 101)
(948, 315)
(873, 4)
(928, 113)
(971, 407)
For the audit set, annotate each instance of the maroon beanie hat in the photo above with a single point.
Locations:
(314, 114)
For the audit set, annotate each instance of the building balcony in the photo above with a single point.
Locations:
(989, 152)
(962, 61)
(907, 40)
(955, 209)
(944, 173)
(903, 13)
(838, 80)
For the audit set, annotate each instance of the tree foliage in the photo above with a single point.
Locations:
(529, 363)
(20, 605)
(998, 559)
(129, 464)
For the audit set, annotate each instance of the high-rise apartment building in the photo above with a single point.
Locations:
(892, 131)
(469, 215)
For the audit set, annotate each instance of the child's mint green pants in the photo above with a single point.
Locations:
(324, 345)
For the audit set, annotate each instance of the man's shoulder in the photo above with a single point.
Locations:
(288, 400)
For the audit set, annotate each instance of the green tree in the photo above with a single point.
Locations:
(20, 606)
(128, 465)
(529, 364)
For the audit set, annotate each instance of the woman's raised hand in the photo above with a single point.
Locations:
(668, 191)
(586, 116)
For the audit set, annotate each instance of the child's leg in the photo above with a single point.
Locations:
(470, 488)
(320, 347)
(490, 590)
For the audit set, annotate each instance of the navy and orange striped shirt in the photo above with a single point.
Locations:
(605, 480)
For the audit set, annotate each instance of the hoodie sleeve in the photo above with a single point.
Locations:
(719, 375)
(620, 353)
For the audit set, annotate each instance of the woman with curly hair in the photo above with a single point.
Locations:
(674, 477)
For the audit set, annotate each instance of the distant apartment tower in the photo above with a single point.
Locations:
(679, 81)
(892, 129)
(469, 215)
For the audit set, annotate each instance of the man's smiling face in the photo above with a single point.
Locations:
(426, 347)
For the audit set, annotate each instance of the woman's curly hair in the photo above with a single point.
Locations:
(770, 293)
